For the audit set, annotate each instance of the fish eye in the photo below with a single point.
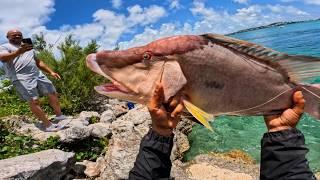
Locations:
(146, 56)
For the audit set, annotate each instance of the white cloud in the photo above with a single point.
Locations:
(116, 3)
(174, 4)
(144, 16)
(286, 9)
(255, 15)
(314, 2)
(107, 26)
(24, 15)
(149, 34)
(241, 1)
(221, 22)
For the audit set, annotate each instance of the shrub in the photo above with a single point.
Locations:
(77, 84)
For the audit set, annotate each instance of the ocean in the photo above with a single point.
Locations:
(244, 133)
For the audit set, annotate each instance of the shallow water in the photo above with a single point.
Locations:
(245, 133)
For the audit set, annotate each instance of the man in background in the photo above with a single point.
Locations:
(22, 67)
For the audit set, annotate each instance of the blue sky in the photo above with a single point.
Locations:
(137, 22)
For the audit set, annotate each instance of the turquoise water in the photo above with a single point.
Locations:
(245, 133)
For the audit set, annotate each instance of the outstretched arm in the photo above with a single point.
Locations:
(283, 149)
(43, 66)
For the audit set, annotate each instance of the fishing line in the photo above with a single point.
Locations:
(162, 70)
(311, 92)
(232, 112)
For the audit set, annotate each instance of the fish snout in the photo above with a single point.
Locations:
(92, 63)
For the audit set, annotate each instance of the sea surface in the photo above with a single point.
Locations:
(245, 133)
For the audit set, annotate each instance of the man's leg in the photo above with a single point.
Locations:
(54, 103)
(38, 112)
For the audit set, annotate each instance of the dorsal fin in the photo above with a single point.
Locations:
(245, 47)
(299, 68)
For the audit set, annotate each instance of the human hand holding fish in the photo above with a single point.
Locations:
(164, 117)
(289, 118)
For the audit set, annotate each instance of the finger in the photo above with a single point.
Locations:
(299, 103)
(178, 110)
(172, 123)
(174, 102)
(157, 98)
(58, 76)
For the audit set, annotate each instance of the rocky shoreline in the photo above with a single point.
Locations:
(276, 24)
(125, 128)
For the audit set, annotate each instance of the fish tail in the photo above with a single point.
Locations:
(311, 94)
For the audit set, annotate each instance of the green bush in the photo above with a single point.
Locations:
(11, 104)
(77, 84)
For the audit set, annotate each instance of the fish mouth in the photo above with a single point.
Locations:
(113, 89)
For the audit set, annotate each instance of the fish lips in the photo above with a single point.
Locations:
(113, 89)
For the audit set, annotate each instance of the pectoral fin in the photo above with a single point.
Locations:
(199, 114)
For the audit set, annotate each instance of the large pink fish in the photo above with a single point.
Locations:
(219, 75)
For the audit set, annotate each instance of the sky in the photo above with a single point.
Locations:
(131, 23)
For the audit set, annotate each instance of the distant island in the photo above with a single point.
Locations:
(279, 24)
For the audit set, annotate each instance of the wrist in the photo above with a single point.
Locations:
(280, 128)
(167, 132)
(16, 53)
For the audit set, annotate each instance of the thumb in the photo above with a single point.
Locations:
(299, 103)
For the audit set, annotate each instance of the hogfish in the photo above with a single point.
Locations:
(220, 75)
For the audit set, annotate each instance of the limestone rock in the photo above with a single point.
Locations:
(91, 169)
(86, 115)
(118, 107)
(124, 143)
(107, 116)
(73, 134)
(78, 122)
(100, 130)
(51, 163)
(178, 171)
(181, 145)
(208, 172)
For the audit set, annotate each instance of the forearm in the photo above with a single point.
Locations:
(283, 156)
(41, 65)
(8, 56)
(153, 159)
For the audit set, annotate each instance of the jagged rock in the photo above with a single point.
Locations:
(79, 168)
(181, 145)
(124, 144)
(178, 171)
(86, 115)
(107, 116)
(73, 134)
(237, 165)
(207, 171)
(75, 130)
(91, 169)
(98, 103)
(78, 123)
(100, 130)
(51, 163)
(118, 107)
